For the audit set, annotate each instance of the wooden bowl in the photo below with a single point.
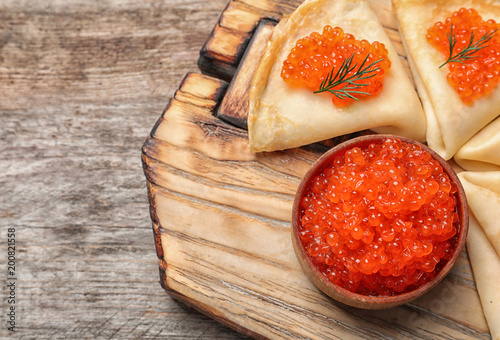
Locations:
(364, 301)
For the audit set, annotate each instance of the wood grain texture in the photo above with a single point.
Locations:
(223, 215)
(81, 85)
(234, 105)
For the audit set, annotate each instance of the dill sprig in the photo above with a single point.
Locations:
(468, 52)
(351, 87)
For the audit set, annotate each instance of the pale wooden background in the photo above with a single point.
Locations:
(82, 83)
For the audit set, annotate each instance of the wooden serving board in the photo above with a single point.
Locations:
(221, 214)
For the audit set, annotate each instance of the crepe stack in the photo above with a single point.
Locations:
(469, 133)
(483, 242)
(480, 157)
(282, 117)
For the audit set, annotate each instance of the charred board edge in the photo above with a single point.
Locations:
(202, 308)
(234, 105)
(223, 65)
(209, 91)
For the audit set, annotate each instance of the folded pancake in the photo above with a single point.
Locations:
(282, 116)
(450, 122)
(485, 264)
(483, 195)
(483, 242)
(482, 152)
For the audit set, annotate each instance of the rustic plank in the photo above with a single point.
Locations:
(259, 202)
(204, 308)
(234, 105)
(274, 9)
(222, 52)
(240, 17)
(203, 91)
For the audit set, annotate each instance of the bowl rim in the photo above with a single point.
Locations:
(365, 301)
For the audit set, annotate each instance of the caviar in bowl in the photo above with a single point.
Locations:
(378, 221)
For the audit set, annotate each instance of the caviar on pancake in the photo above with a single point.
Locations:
(380, 220)
(471, 47)
(338, 63)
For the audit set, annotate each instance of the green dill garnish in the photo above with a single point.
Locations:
(351, 86)
(468, 52)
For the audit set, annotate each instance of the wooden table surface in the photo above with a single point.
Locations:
(82, 82)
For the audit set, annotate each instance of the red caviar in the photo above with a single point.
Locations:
(478, 76)
(380, 220)
(314, 56)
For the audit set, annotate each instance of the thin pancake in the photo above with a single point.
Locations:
(486, 267)
(482, 152)
(483, 195)
(450, 123)
(282, 117)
